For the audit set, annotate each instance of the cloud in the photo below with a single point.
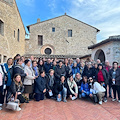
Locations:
(103, 14)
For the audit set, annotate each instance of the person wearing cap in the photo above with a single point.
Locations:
(72, 86)
(102, 77)
(59, 70)
(115, 79)
(61, 89)
(29, 79)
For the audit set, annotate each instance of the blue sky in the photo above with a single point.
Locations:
(102, 14)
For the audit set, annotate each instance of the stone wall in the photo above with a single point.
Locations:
(82, 36)
(111, 51)
(9, 44)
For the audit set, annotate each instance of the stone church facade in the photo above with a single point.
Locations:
(62, 35)
(12, 31)
(108, 49)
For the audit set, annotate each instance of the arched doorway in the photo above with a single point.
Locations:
(100, 55)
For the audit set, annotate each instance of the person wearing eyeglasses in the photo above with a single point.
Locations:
(96, 88)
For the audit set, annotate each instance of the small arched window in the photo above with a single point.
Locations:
(18, 35)
(1, 27)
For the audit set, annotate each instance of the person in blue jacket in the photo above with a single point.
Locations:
(9, 70)
(40, 86)
(75, 69)
(85, 88)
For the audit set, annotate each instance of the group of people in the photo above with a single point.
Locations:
(25, 79)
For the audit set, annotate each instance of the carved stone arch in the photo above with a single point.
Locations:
(47, 49)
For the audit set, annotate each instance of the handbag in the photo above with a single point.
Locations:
(13, 105)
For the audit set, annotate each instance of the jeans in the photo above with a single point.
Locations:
(85, 94)
(63, 94)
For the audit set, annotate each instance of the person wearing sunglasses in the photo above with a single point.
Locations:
(96, 89)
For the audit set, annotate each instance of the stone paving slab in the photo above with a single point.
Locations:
(72, 110)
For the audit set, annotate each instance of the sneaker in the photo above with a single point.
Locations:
(105, 100)
(64, 100)
(100, 103)
(119, 101)
(18, 109)
(0, 105)
(114, 99)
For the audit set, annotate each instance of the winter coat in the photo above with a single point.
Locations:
(13, 89)
(59, 71)
(40, 84)
(47, 67)
(105, 76)
(117, 76)
(58, 87)
(29, 79)
(18, 69)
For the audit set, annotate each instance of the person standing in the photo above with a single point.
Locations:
(29, 79)
(115, 79)
(108, 67)
(59, 70)
(102, 78)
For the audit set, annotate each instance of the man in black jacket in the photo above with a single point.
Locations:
(59, 70)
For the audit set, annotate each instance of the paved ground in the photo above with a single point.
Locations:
(72, 110)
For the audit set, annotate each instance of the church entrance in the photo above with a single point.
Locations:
(100, 55)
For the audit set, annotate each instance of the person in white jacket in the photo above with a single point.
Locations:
(2, 85)
(29, 79)
(96, 88)
(73, 87)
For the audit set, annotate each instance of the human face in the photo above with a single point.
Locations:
(43, 74)
(41, 62)
(75, 64)
(85, 80)
(20, 62)
(60, 64)
(115, 65)
(34, 64)
(48, 61)
(90, 79)
(52, 73)
(10, 61)
(78, 76)
(32, 58)
(62, 79)
(54, 63)
(66, 61)
(100, 67)
(107, 63)
(71, 78)
(96, 65)
(18, 78)
(28, 64)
